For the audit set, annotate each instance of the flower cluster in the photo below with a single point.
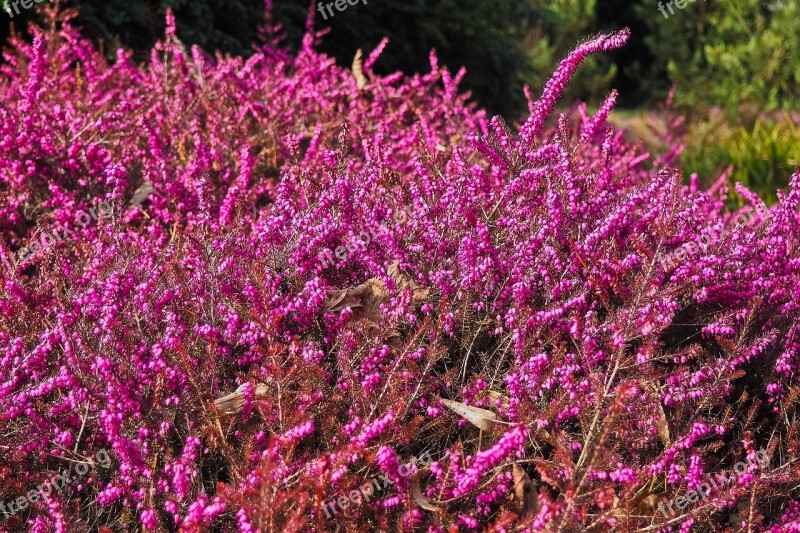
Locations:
(518, 322)
(43, 491)
(44, 240)
(366, 491)
(723, 478)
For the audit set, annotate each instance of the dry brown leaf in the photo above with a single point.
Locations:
(740, 515)
(663, 427)
(334, 299)
(480, 418)
(494, 395)
(648, 503)
(545, 436)
(526, 494)
(645, 500)
(142, 193)
(404, 281)
(394, 340)
(365, 299)
(232, 403)
(358, 70)
(661, 422)
(420, 498)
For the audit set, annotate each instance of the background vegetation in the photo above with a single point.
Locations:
(738, 57)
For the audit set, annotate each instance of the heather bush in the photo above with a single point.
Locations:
(519, 327)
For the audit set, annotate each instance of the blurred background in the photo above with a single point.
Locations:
(734, 64)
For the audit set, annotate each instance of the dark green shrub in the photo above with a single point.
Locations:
(485, 37)
(763, 151)
(730, 52)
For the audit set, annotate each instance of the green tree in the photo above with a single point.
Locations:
(485, 37)
(732, 53)
(226, 25)
(562, 24)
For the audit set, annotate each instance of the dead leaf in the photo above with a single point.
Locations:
(645, 499)
(740, 515)
(232, 403)
(526, 494)
(663, 427)
(545, 436)
(358, 70)
(420, 498)
(365, 299)
(394, 340)
(334, 299)
(142, 193)
(496, 396)
(480, 418)
(661, 422)
(648, 503)
(617, 511)
(404, 281)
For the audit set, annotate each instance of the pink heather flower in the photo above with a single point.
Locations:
(294, 435)
(149, 518)
(510, 443)
(554, 295)
(244, 524)
(695, 474)
(388, 461)
(592, 125)
(542, 109)
(374, 429)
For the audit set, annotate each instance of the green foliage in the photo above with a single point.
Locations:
(486, 37)
(561, 24)
(763, 152)
(229, 26)
(752, 55)
(226, 25)
(729, 52)
(716, 52)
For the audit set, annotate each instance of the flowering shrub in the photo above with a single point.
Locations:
(518, 326)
